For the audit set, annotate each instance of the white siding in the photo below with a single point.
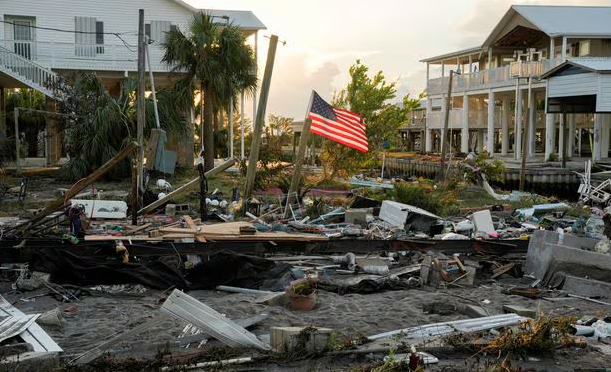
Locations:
(573, 85)
(603, 102)
(119, 16)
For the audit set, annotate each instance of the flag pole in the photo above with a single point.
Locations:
(303, 143)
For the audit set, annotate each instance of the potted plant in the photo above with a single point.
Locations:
(302, 294)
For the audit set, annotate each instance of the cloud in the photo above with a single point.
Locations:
(292, 82)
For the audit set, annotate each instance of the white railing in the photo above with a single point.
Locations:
(100, 57)
(27, 71)
(492, 78)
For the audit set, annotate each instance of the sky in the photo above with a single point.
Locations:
(325, 37)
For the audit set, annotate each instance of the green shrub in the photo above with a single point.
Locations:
(417, 196)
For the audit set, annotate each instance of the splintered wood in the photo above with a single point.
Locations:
(227, 231)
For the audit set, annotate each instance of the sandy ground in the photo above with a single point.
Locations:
(101, 316)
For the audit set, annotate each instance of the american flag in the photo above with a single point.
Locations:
(337, 124)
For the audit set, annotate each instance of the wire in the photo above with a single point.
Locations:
(69, 31)
(117, 34)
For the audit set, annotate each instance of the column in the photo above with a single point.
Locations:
(517, 144)
(532, 105)
(561, 135)
(598, 123)
(464, 134)
(428, 140)
(571, 140)
(2, 114)
(506, 116)
(425, 141)
(550, 133)
(53, 143)
(480, 140)
(604, 142)
(254, 92)
(490, 141)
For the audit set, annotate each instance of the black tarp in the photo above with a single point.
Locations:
(68, 268)
(238, 270)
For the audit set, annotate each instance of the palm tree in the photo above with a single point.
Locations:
(214, 59)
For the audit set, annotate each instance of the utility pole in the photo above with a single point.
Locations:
(253, 158)
(446, 119)
(140, 117)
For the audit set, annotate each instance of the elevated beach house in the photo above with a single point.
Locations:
(40, 40)
(545, 67)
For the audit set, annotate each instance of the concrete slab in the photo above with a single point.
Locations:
(548, 246)
(586, 287)
(284, 339)
(520, 310)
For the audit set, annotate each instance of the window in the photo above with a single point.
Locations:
(584, 48)
(99, 37)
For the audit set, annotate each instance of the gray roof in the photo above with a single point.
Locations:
(460, 53)
(598, 65)
(552, 20)
(244, 19)
(559, 20)
(568, 20)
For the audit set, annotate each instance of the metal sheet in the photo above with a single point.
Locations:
(210, 321)
(466, 325)
(34, 335)
(12, 326)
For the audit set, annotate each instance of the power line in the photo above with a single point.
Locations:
(70, 31)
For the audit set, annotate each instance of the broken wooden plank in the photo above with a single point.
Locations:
(218, 169)
(78, 187)
(502, 270)
(135, 229)
(189, 222)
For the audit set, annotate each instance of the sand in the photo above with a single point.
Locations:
(101, 316)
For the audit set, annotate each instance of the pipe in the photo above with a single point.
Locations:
(231, 289)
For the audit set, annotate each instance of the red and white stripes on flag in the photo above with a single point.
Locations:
(337, 124)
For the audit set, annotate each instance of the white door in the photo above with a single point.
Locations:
(22, 31)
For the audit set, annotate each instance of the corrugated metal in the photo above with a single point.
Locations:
(210, 321)
(446, 328)
(34, 335)
(594, 64)
(12, 326)
(568, 20)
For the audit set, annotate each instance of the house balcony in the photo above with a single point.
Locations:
(499, 77)
(97, 57)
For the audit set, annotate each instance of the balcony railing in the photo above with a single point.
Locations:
(492, 78)
(101, 57)
(27, 71)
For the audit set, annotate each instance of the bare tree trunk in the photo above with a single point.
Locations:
(208, 131)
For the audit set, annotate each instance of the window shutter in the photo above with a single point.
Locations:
(158, 31)
(85, 36)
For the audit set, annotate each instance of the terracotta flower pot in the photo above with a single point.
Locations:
(302, 302)
(302, 295)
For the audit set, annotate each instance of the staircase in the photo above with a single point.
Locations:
(28, 72)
